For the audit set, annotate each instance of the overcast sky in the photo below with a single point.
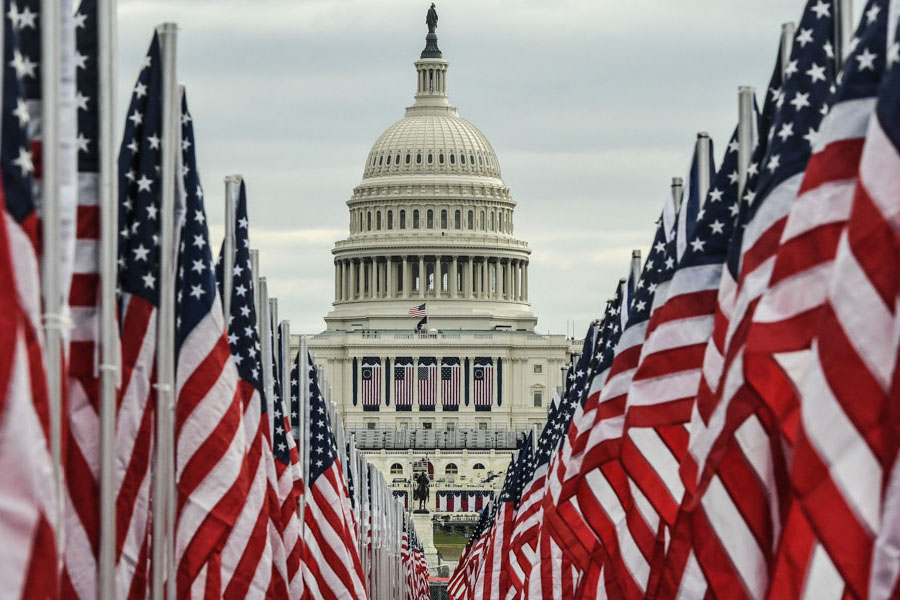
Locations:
(592, 106)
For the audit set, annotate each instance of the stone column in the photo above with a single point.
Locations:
(485, 284)
(406, 287)
(389, 265)
(337, 281)
(453, 276)
(516, 281)
(423, 283)
(345, 274)
(525, 282)
(354, 278)
(468, 271)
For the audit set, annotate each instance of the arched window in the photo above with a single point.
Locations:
(388, 160)
(492, 220)
(396, 469)
(472, 159)
(369, 220)
(407, 158)
(502, 224)
(481, 220)
(441, 158)
(397, 159)
(443, 219)
(402, 219)
(419, 158)
(378, 220)
(462, 159)
(480, 161)
(430, 158)
(429, 219)
(380, 160)
(478, 467)
(452, 159)
(390, 219)
(374, 158)
(471, 224)
(457, 220)
(415, 219)
(451, 469)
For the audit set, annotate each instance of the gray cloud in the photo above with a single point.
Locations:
(592, 106)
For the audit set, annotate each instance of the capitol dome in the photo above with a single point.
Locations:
(432, 142)
(431, 222)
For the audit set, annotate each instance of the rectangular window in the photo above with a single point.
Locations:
(370, 425)
(538, 398)
(482, 426)
(427, 425)
(538, 368)
(451, 426)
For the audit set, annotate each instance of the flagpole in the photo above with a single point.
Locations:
(303, 427)
(232, 189)
(703, 166)
(163, 515)
(265, 349)
(109, 331)
(746, 95)
(843, 23)
(677, 193)
(51, 257)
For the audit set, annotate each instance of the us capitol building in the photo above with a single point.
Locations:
(432, 223)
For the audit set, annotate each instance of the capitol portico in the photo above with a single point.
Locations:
(432, 223)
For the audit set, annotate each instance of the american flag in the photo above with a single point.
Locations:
(427, 376)
(493, 581)
(371, 383)
(733, 430)
(528, 517)
(330, 562)
(209, 430)
(82, 451)
(593, 473)
(483, 373)
(462, 583)
(418, 311)
(403, 383)
(450, 369)
(247, 568)
(806, 298)
(27, 512)
(138, 281)
(289, 484)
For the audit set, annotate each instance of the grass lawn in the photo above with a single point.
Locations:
(450, 545)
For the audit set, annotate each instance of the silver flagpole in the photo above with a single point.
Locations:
(303, 425)
(745, 140)
(109, 331)
(843, 24)
(232, 189)
(787, 42)
(265, 350)
(285, 353)
(704, 157)
(51, 256)
(635, 266)
(374, 591)
(163, 525)
(677, 193)
(254, 266)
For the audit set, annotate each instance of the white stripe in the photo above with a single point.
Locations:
(850, 462)
(693, 582)
(823, 582)
(660, 458)
(847, 119)
(736, 538)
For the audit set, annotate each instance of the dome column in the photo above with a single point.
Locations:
(507, 280)
(525, 282)
(453, 276)
(337, 281)
(405, 292)
(354, 278)
(422, 282)
(389, 265)
(468, 273)
(517, 280)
